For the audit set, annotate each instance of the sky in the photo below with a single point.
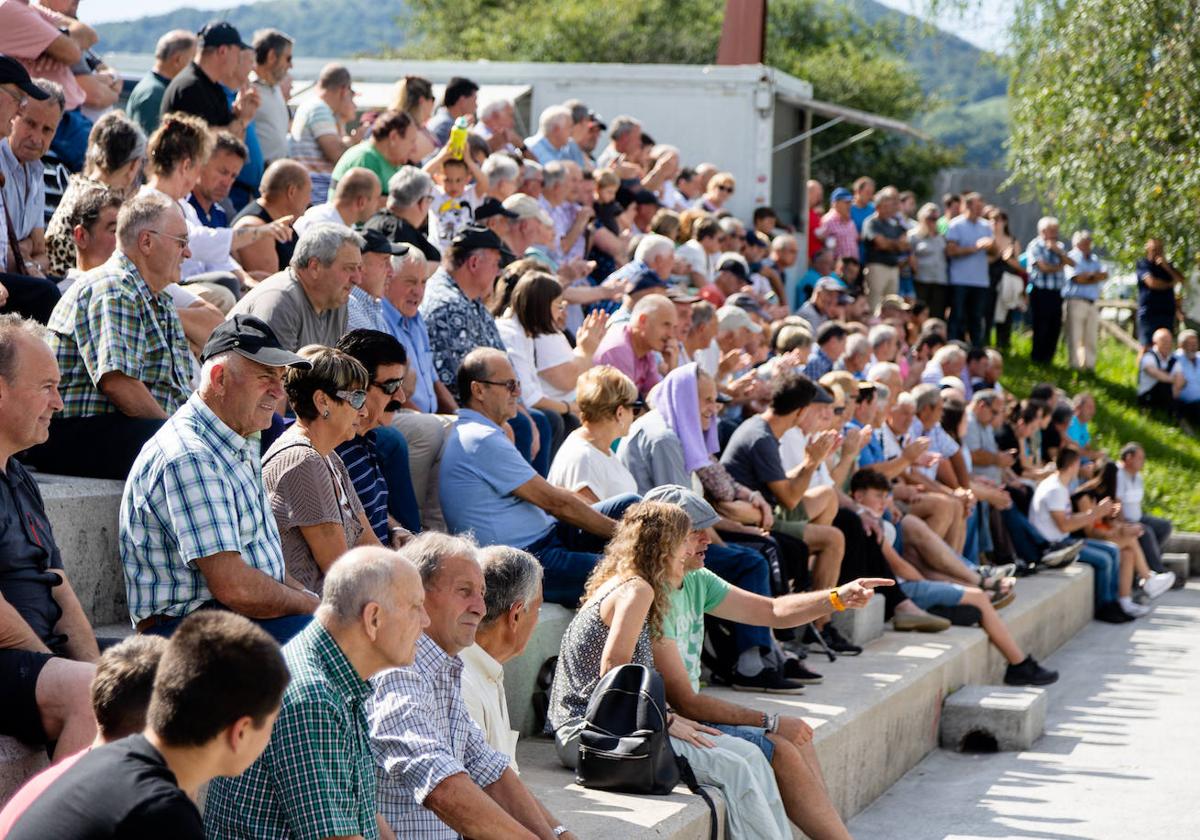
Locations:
(982, 27)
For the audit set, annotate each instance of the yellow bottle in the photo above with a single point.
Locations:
(458, 138)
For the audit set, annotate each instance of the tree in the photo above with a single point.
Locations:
(846, 60)
(1104, 117)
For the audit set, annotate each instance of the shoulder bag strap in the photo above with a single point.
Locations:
(689, 778)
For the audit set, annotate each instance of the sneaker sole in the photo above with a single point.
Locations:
(1062, 557)
(1004, 600)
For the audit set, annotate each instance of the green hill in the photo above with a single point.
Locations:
(321, 28)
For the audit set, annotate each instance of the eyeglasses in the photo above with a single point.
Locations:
(839, 410)
(181, 241)
(356, 399)
(389, 386)
(725, 189)
(511, 385)
(21, 99)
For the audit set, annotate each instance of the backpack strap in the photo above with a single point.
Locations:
(688, 777)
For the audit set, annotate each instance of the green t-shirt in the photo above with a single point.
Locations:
(368, 157)
(701, 591)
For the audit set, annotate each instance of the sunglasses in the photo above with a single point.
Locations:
(725, 189)
(389, 387)
(637, 406)
(356, 399)
(511, 385)
(839, 410)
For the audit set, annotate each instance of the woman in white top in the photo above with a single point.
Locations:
(585, 463)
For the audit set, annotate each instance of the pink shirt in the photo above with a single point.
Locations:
(27, 32)
(617, 350)
(843, 232)
(34, 788)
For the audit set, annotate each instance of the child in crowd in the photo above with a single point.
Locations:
(459, 187)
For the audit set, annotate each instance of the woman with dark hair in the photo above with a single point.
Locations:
(316, 508)
(625, 602)
(116, 151)
(414, 96)
(1005, 294)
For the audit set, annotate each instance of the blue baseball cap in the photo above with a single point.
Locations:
(841, 194)
(646, 279)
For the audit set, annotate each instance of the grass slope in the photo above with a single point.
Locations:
(1172, 456)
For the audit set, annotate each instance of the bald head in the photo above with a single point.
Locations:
(364, 576)
(357, 183)
(652, 324)
(281, 175)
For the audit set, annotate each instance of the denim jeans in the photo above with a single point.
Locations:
(1105, 559)
(746, 569)
(392, 449)
(968, 314)
(280, 629)
(568, 553)
(1028, 544)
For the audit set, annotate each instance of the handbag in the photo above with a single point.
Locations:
(624, 745)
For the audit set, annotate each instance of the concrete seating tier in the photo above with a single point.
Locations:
(1186, 542)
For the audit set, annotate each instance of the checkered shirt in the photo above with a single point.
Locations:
(109, 320)
(195, 490)
(457, 325)
(1050, 280)
(421, 734)
(315, 778)
(818, 365)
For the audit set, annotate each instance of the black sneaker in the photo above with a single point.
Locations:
(1025, 568)
(839, 643)
(1029, 672)
(794, 669)
(1111, 613)
(768, 681)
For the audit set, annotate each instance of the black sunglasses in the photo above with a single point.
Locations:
(512, 385)
(637, 406)
(389, 387)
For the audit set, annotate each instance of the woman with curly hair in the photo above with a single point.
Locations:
(624, 604)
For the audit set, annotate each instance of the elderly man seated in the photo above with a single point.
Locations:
(47, 645)
(632, 348)
(24, 187)
(195, 527)
(409, 197)
(125, 361)
(510, 503)
(306, 303)
(438, 778)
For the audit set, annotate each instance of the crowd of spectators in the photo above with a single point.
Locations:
(377, 389)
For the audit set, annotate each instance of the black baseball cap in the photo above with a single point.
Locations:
(253, 338)
(220, 33)
(646, 197)
(13, 72)
(821, 396)
(678, 295)
(474, 237)
(745, 301)
(375, 242)
(646, 279)
(490, 207)
(735, 267)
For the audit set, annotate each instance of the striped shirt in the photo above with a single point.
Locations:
(195, 490)
(313, 119)
(110, 321)
(421, 734)
(316, 777)
(366, 474)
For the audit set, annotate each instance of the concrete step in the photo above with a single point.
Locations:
(1008, 717)
(520, 674)
(874, 717)
(83, 516)
(861, 626)
(1179, 563)
(17, 763)
(1186, 542)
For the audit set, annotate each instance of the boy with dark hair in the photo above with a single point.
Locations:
(120, 694)
(216, 694)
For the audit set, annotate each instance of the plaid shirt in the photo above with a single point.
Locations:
(315, 778)
(364, 312)
(457, 325)
(109, 320)
(421, 734)
(818, 365)
(843, 231)
(1053, 281)
(195, 490)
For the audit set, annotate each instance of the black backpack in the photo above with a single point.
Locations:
(624, 745)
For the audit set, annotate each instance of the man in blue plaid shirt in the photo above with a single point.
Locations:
(438, 777)
(196, 528)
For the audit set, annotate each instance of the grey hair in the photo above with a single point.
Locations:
(140, 213)
(493, 107)
(651, 245)
(1046, 222)
(408, 186)
(1080, 235)
(531, 167)
(321, 242)
(553, 174)
(621, 126)
(882, 392)
(550, 116)
(11, 326)
(361, 576)
(1131, 448)
(54, 90)
(428, 551)
(702, 313)
(412, 255)
(906, 399)
(510, 576)
(948, 353)
(994, 355)
(334, 76)
(857, 345)
(173, 43)
(731, 226)
(881, 334)
(926, 395)
(1082, 397)
(500, 167)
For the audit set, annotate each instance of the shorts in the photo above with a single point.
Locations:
(754, 734)
(933, 593)
(791, 522)
(20, 717)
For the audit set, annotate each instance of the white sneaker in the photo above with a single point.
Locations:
(1133, 608)
(1157, 584)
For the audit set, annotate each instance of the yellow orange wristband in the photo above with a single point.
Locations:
(836, 600)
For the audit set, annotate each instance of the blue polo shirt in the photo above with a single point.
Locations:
(412, 334)
(1191, 376)
(872, 453)
(970, 270)
(1083, 265)
(480, 469)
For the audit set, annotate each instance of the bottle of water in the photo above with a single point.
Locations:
(458, 138)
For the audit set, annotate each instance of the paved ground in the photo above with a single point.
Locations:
(1120, 757)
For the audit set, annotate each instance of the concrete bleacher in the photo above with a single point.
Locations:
(874, 717)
